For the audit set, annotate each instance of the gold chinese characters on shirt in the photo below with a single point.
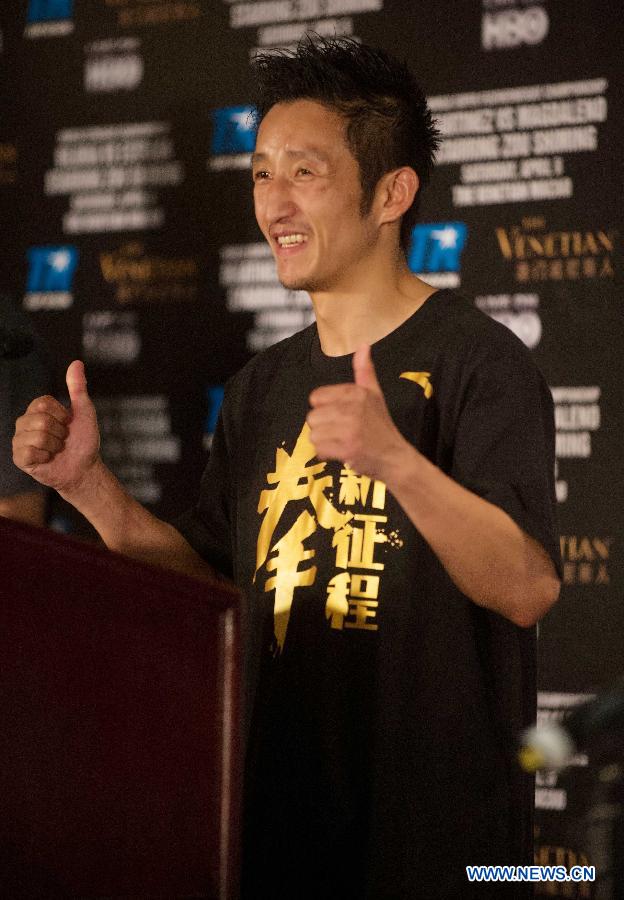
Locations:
(356, 527)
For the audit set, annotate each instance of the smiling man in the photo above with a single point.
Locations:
(381, 487)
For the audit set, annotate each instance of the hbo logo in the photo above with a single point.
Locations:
(514, 27)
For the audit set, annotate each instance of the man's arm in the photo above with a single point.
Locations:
(127, 527)
(60, 448)
(486, 554)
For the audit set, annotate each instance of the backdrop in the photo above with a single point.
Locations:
(129, 237)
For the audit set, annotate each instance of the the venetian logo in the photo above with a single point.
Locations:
(586, 559)
(540, 254)
(139, 277)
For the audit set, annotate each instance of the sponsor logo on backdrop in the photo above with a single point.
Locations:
(521, 22)
(8, 163)
(131, 13)
(435, 252)
(110, 338)
(141, 277)
(553, 707)
(233, 137)
(541, 253)
(519, 312)
(50, 277)
(113, 65)
(558, 855)
(281, 24)
(136, 437)
(586, 559)
(577, 417)
(214, 400)
(111, 175)
(49, 18)
(510, 144)
(247, 272)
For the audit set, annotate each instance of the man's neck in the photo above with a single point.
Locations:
(346, 319)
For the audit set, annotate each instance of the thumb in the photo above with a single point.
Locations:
(77, 387)
(364, 370)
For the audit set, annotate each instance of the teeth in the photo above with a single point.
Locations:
(285, 239)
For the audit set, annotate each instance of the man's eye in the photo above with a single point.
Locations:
(260, 175)
(303, 171)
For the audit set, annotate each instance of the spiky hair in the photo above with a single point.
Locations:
(389, 123)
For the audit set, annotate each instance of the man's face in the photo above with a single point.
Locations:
(307, 198)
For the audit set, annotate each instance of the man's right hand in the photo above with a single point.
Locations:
(56, 446)
(60, 448)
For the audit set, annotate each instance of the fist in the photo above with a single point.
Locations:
(55, 445)
(351, 422)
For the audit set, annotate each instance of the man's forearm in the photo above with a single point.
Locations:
(127, 527)
(486, 554)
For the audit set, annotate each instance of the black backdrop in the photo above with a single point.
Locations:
(128, 235)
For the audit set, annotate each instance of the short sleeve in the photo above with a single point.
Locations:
(207, 526)
(504, 441)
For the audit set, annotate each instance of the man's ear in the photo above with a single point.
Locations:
(395, 193)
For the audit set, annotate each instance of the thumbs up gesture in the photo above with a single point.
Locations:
(55, 445)
(351, 422)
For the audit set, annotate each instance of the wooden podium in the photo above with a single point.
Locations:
(119, 729)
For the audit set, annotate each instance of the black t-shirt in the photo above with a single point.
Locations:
(384, 705)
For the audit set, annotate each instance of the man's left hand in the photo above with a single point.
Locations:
(351, 422)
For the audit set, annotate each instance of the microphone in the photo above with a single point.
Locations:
(553, 745)
(15, 343)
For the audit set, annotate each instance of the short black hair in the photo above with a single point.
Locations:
(389, 123)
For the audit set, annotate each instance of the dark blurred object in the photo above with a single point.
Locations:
(22, 378)
(554, 744)
(605, 831)
(119, 747)
(15, 343)
(598, 728)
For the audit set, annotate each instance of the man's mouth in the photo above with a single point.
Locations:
(287, 240)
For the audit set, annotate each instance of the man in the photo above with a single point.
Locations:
(388, 513)
(21, 378)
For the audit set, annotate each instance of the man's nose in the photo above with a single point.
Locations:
(278, 199)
